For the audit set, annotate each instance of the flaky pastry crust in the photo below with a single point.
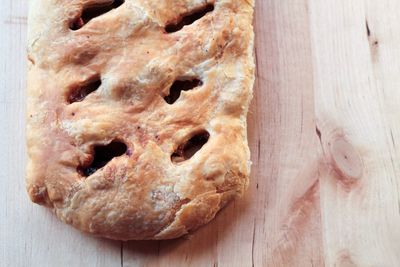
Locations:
(108, 145)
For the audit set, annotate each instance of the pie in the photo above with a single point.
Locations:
(136, 125)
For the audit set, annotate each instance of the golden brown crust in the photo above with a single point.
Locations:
(143, 193)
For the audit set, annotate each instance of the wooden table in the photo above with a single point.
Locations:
(324, 131)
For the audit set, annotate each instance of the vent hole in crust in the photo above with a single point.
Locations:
(189, 18)
(191, 147)
(81, 92)
(179, 86)
(103, 155)
(93, 11)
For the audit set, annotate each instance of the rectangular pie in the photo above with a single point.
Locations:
(136, 122)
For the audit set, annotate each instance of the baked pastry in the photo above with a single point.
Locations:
(137, 110)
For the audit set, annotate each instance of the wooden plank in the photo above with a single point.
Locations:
(287, 214)
(31, 235)
(356, 70)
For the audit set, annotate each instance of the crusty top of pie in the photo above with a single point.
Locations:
(137, 110)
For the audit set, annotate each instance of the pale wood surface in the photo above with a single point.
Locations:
(324, 131)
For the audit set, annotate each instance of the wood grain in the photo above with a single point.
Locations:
(324, 130)
(356, 89)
